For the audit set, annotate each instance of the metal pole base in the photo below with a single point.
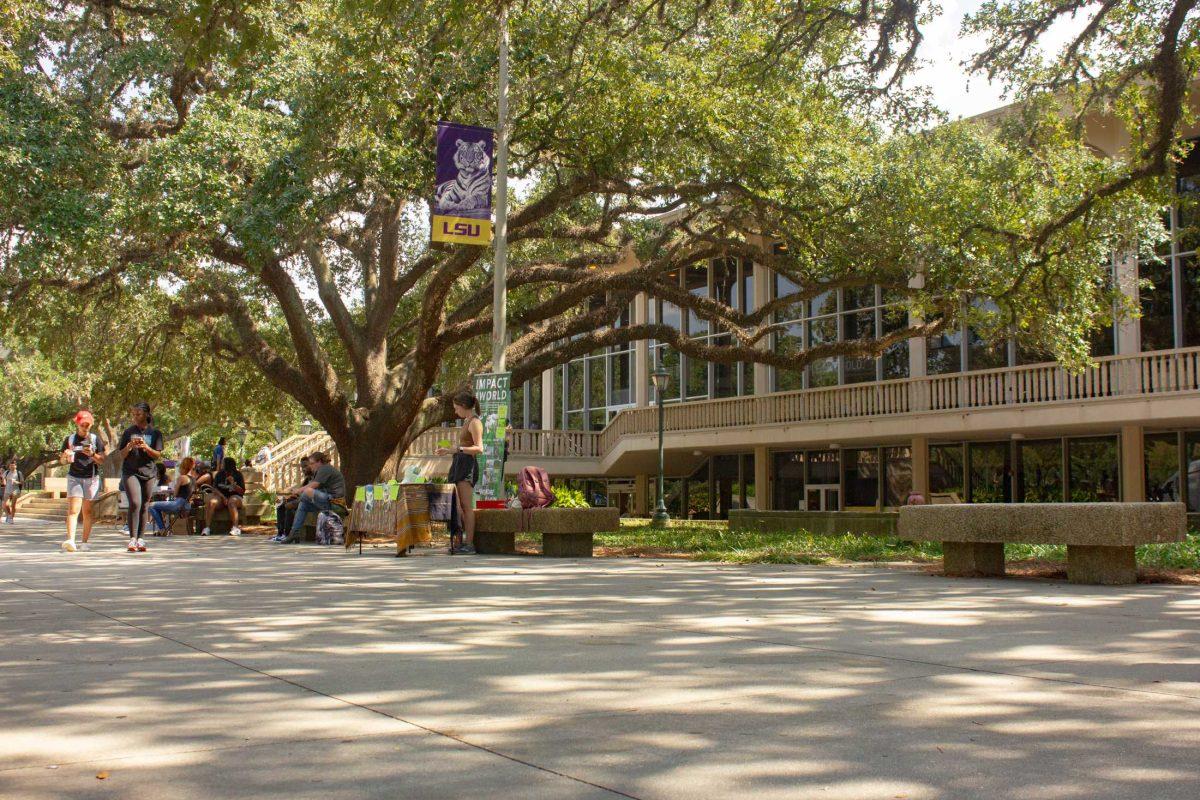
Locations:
(661, 519)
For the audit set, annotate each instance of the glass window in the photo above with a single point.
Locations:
(745, 293)
(671, 363)
(533, 392)
(725, 281)
(575, 385)
(749, 493)
(789, 480)
(597, 383)
(1189, 274)
(783, 288)
(789, 342)
(697, 378)
(1191, 457)
(1040, 479)
(984, 355)
(944, 353)
(823, 330)
(989, 472)
(1092, 471)
(822, 466)
(858, 297)
(862, 477)
(946, 473)
(898, 472)
(516, 411)
(559, 399)
(696, 282)
(1162, 468)
(725, 379)
(824, 303)
(895, 358)
(859, 325)
(1157, 323)
(620, 373)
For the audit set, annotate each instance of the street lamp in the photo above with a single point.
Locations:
(661, 379)
(306, 427)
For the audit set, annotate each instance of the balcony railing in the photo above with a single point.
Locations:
(1112, 376)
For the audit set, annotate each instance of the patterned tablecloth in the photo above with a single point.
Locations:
(404, 511)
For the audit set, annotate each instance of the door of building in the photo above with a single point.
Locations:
(821, 497)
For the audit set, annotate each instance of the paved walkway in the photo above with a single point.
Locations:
(212, 668)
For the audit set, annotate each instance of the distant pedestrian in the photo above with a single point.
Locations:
(141, 446)
(84, 451)
(13, 481)
(219, 454)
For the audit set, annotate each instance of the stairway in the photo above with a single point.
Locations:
(44, 508)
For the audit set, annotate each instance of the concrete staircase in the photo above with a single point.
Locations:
(43, 508)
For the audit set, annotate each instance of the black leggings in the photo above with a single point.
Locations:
(137, 491)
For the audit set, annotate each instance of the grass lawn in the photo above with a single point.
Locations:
(713, 541)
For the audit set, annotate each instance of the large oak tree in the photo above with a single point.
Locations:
(258, 173)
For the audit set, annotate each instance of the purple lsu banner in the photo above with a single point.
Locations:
(462, 204)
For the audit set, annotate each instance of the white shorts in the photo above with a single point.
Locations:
(87, 488)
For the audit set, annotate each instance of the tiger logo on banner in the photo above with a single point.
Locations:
(462, 204)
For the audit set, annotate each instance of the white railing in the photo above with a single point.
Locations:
(1112, 376)
(1163, 372)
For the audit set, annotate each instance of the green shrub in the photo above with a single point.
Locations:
(565, 497)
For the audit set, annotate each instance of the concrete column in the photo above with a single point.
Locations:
(641, 354)
(917, 348)
(1133, 464)
(549, 418)
(641, 495)
(920, 466)
(1129, 333)
(763, 488)
(762, 296)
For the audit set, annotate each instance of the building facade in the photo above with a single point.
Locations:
(949, 417)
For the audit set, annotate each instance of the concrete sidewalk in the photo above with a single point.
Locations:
(214, 668)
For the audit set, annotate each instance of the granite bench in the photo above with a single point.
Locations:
(566, 532)
(1100, 537)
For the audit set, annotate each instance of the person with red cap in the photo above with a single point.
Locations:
(84, 451)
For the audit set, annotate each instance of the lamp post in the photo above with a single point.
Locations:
(661, 379)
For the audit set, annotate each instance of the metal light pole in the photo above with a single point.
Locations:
(500, 267)
(661, 379)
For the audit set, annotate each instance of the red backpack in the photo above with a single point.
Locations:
(533, 488)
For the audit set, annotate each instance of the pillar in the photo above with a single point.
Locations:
(920, 466)
(1128, 334)
(1133, 464)
(918, 363)
(641, 495)
(763, 489)
(550, 419)
(762, 296)
(641, 354)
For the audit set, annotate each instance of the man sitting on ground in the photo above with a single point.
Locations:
(322, 492)
(228, 488)
(285, 512)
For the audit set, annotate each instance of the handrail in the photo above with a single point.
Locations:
(1143, 374)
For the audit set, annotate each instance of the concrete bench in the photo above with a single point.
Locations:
(566, 532)
(1100, 537)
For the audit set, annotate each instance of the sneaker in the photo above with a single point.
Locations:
(68, 546)
(235, 531)
(206, 532)
(84, 546)
(465, 550)
(125, 529)
(132, 546)
(141, 545)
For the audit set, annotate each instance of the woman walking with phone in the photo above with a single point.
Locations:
(84, 451)
(141, 446)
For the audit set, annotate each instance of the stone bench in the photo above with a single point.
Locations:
(566, 532)
(1100, 537)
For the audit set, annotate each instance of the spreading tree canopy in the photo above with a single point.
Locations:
(256, 175)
